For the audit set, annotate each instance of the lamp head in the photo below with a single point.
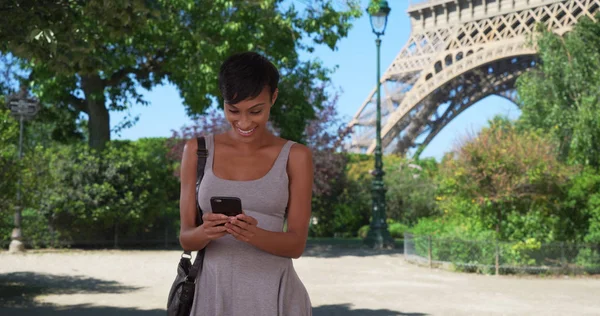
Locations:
(379, 17)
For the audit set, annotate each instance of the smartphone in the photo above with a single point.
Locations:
(227, 205)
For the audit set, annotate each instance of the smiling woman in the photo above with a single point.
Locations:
(248, 267)
(248, 84)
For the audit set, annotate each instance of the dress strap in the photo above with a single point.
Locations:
(284, 154)
(210, 145)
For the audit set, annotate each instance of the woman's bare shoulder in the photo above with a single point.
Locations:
(300, 158)
(300, 151)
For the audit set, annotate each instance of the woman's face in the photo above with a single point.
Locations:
(249, 118)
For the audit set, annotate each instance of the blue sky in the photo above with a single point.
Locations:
(355, 76)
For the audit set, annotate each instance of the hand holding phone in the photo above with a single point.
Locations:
(242, 227)
(213, 225)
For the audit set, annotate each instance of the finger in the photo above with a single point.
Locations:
(234, 231)
(216, 223)
(239, 223)
(215, 230)
(234, 234)
(213, 217)
(216, 235)
(248, 219)
(220, 235)
(246, 234)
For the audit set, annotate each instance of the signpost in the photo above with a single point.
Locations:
(22, 108)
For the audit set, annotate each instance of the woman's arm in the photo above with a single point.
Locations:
(291, 243)
(192, 237)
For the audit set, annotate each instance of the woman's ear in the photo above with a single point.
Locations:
(274, 97)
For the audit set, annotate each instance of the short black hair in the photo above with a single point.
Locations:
(244, 75)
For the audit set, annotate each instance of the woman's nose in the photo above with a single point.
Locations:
(244, 122)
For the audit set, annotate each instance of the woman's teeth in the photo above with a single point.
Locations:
(244, 132)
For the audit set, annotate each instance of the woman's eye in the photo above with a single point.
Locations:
(256, 112)
(234, 111)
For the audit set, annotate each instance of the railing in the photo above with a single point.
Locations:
(502, 257)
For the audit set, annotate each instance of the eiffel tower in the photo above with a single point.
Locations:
(459, 52)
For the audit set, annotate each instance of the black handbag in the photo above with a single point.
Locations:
(181, 295)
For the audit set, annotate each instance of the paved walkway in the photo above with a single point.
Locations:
(341, 282)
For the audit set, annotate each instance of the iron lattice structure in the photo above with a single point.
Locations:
(459, 52)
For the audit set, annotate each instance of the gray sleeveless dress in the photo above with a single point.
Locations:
(239, 279)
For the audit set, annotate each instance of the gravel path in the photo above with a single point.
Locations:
(340, 282)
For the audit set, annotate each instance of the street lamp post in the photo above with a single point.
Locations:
(22, 108)
(379, 236)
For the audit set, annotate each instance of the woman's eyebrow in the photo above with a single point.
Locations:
(235, 107)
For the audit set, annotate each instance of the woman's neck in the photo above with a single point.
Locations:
(250, 146)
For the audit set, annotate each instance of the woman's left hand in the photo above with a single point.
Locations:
(242, 227)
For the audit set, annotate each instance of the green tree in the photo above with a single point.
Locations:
(582, 204)
(127, 189)
(561, 97)
(411, 191)
(9, 164)
(507, 180)
(92, 56)
(410, 187)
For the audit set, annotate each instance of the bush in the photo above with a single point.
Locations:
(9, 163)
(363, 231)
(589, 258)
(454, 240)
(37, 231)
(126, 192)
(411, 191)
(410, 188)
(520, 253)
(346, 206)
(395, 229)
(510, 181)
(581, 207)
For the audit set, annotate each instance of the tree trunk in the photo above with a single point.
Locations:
(98, 116)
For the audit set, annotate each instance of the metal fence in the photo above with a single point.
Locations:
(492, 257)
(163, 238)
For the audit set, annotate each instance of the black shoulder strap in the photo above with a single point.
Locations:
(202, 154)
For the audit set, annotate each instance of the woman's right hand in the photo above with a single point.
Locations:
(214, 225)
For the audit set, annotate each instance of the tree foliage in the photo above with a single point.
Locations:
(9, 166)
(506, 180)
(561, 97)
(92, 56)
(126, 190)
(410, 187)
(582, 204)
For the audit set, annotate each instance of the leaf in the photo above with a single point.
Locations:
(35, 34)
(124, 45)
